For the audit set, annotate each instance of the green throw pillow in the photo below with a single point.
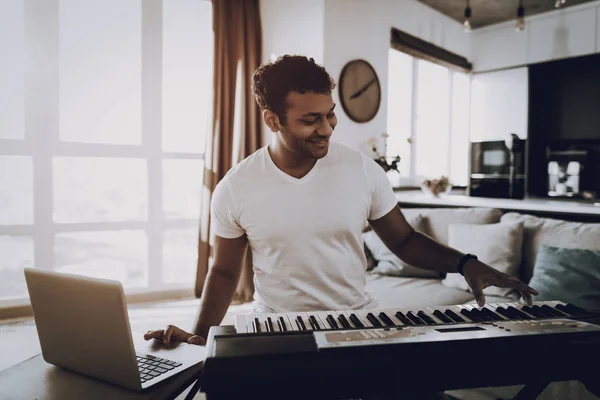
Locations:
(569, 275)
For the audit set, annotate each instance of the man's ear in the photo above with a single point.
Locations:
(272, 120)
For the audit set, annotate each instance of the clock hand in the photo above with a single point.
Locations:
(363, 89)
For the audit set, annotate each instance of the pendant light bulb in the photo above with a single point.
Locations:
(467, 24)
(520, 26)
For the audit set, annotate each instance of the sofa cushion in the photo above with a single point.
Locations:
(569, 275)
(436, 220)
(552, 232)
(498, 245)
(394, 292)
(387, 263)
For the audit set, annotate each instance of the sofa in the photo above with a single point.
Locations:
(409, 289)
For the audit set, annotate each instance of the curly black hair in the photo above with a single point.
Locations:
(273, 81)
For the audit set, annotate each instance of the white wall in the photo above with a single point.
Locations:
(334, 32)
(292, 27)
(499, 104)
(361, 29)
(571, 32)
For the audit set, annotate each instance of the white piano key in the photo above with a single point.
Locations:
(358, 316)
(391, 312)
(347, 313)
(288, 322)
(240, 324)
(429, 311)
(317, 318)
(249, 322)
(362, 315)
(273, 317)
(262, 318)
(304, 316)
(323, 317)
(292, 317)
(492, 308)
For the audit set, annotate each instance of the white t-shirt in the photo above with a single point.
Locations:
(305, 234)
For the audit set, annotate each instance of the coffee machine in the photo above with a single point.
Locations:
(571, 173)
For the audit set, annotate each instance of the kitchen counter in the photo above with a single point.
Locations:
(416, 198)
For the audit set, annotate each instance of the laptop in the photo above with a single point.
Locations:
(83, 326)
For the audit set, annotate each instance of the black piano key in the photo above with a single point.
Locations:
(282, 324)
(356, 321)
(403, 318)
(469, 315)
(533, 311)
(300, 322)
(421, 314)
(541, 313)
(386, 320)
(374, 320)
(269, 325)
(487, 315)
(312, 324)
(562, 308)
(512, 314)
(256, 323)
(491, 315)
(574, 310)
(503, 311)
(519, 313)
(552, 311)
(344, 321)
(440, 315)
(415, 319)
(475, 312)
(454, 316)
(315, 323)
(332, 322)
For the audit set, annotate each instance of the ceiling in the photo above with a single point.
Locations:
(488, 12)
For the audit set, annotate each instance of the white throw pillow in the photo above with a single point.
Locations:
(539, 231)
(498, 245)
(388, 263)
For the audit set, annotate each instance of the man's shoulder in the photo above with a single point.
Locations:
(342, 152)
(248, 166)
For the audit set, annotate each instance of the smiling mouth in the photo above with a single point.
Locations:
(322, 141)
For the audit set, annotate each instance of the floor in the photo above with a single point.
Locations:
(19, 340)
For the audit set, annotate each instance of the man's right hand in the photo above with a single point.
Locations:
(173, 334)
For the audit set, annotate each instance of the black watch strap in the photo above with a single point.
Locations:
(463, 261)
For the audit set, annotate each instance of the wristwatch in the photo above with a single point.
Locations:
(463, 261)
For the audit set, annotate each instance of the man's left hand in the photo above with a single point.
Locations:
(479, 276)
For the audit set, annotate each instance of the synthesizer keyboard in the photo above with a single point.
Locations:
(440, 315)
(388, 352)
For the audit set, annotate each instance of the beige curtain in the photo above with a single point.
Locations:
(237, 54)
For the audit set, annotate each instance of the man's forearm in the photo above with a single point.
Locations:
(421, 251)
(216, 298)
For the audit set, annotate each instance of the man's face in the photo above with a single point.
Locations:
(309, 123)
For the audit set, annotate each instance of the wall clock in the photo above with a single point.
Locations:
(360, 91)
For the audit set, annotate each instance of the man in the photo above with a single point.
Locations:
(301, 204)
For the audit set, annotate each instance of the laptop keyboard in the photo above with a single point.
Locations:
(150, 367)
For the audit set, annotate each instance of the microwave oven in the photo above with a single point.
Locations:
(490, 169)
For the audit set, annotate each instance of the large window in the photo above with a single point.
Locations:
(104, 111)
(428, 119)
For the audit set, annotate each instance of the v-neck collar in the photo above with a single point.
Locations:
(288, 177)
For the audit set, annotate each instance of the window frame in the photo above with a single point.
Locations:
(42, 143)
(413, 180)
